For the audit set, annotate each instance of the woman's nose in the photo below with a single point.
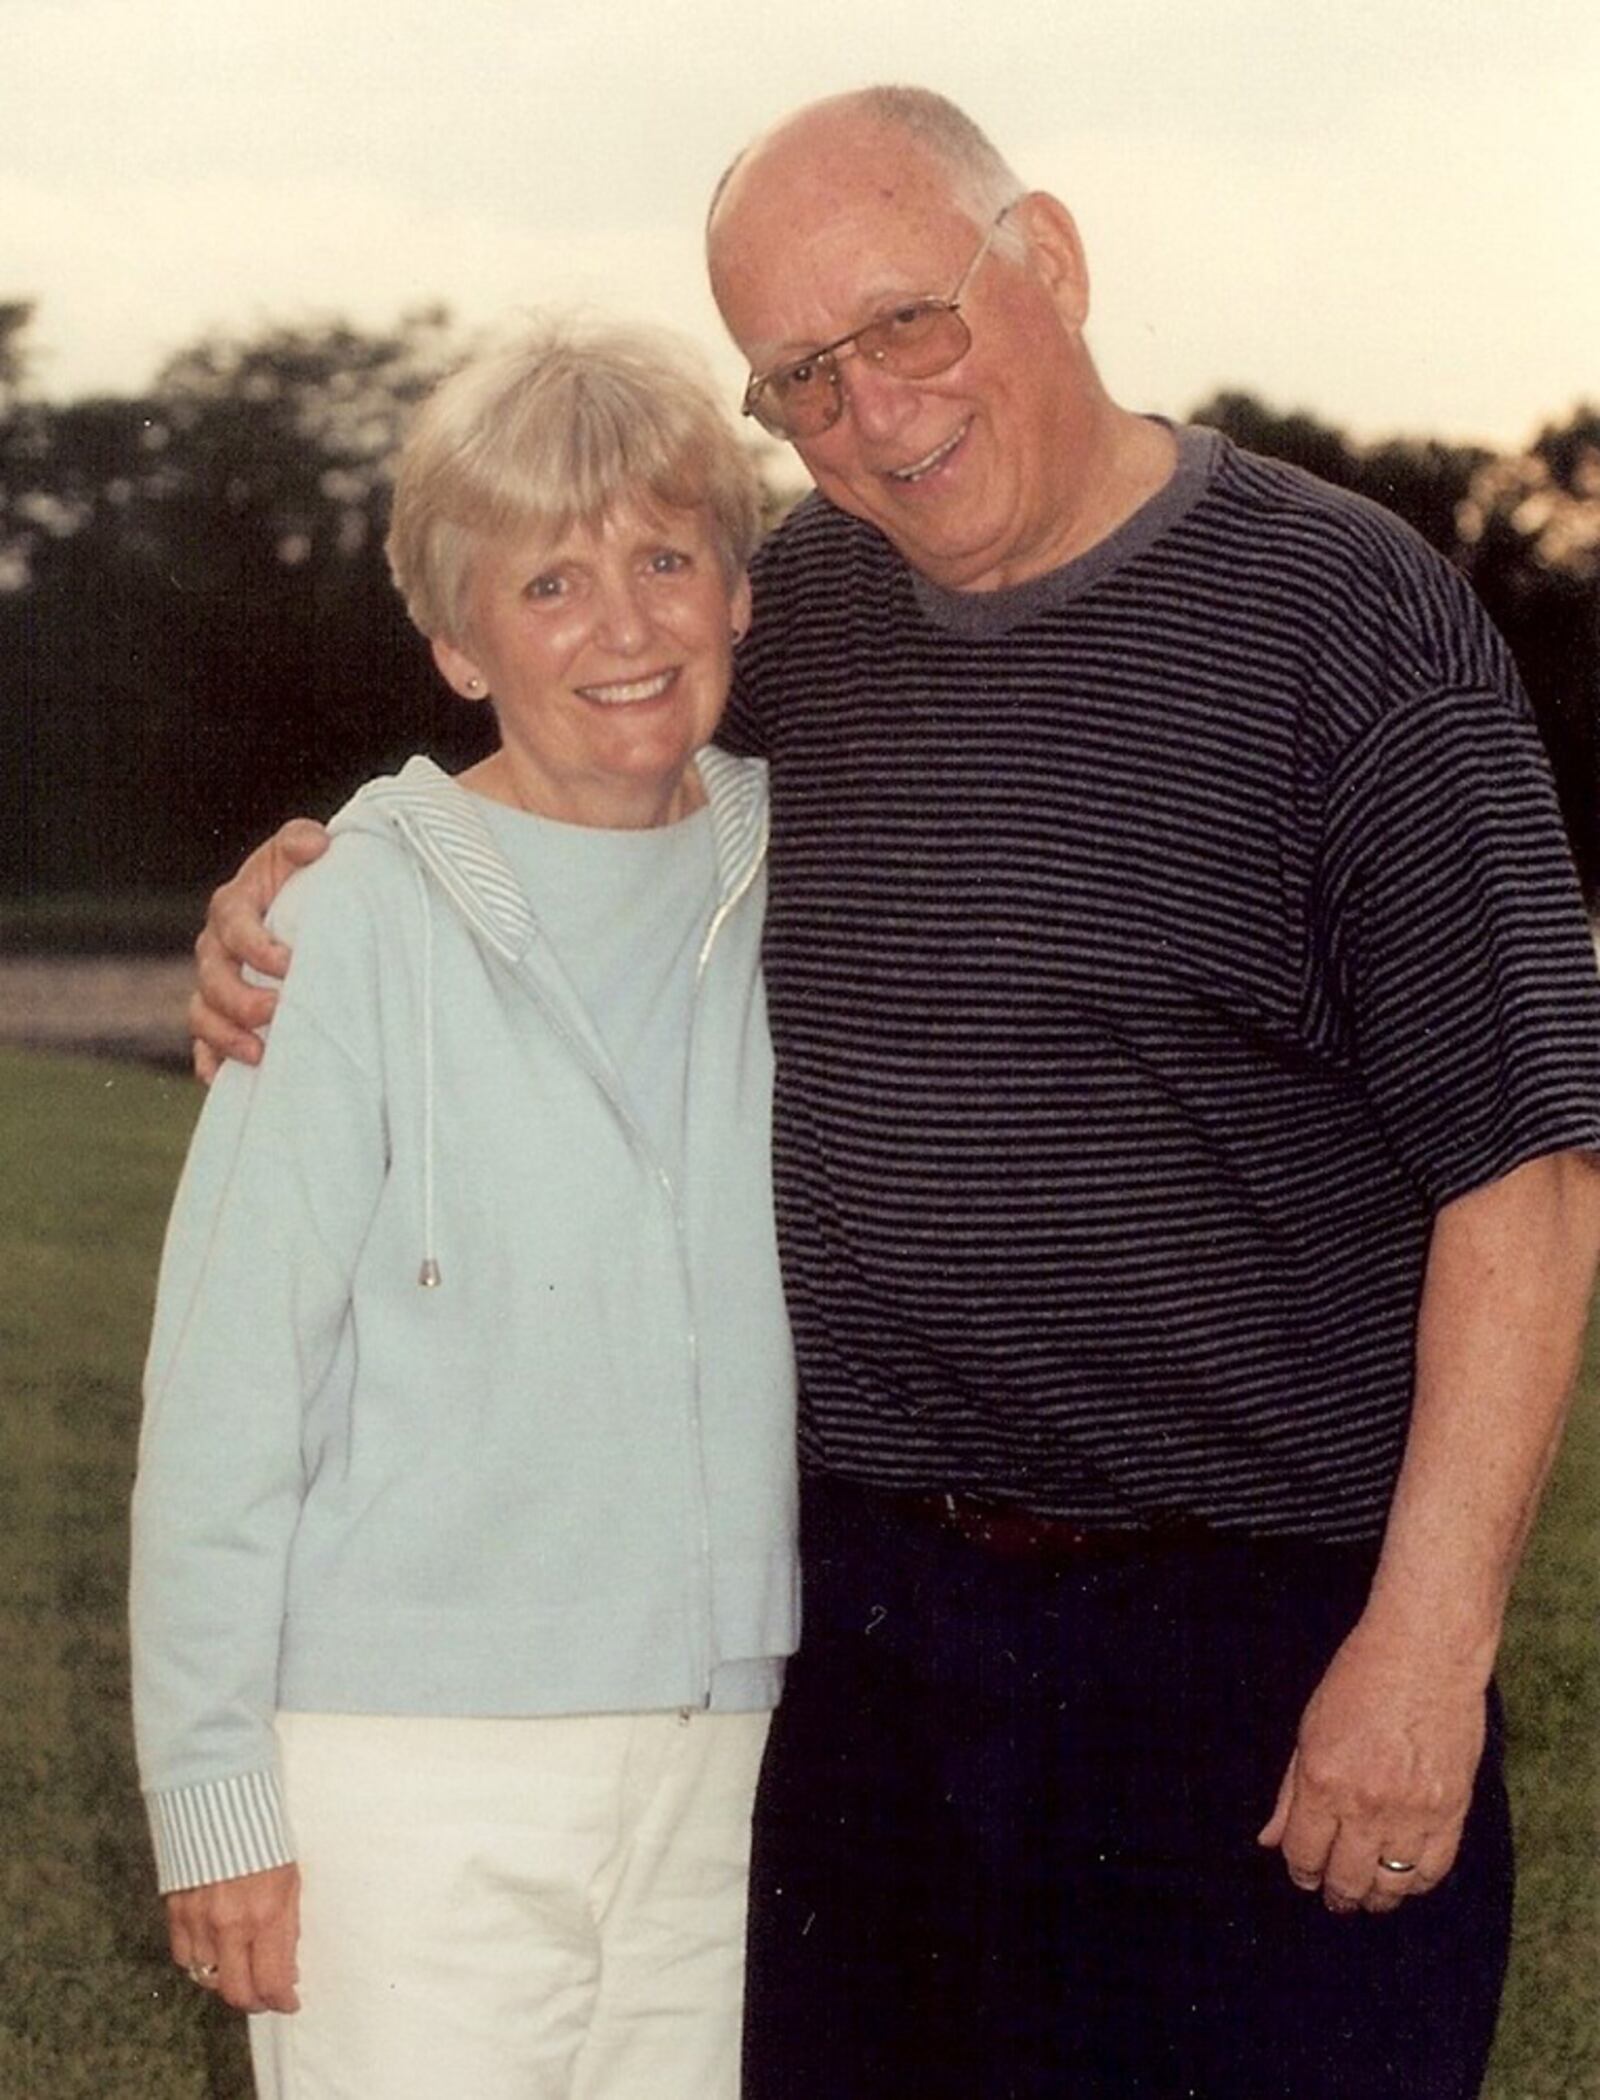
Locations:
(623, 620)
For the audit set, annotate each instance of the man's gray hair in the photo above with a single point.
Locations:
(982, 181)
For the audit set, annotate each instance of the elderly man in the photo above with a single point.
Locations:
(1189, 1062)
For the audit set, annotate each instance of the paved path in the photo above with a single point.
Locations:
(129, 1006)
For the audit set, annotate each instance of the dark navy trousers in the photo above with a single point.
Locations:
(1005, 1838)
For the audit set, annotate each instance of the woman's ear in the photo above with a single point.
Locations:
(739, 607)
(458, 670)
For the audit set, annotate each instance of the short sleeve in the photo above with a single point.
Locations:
(1461, 961)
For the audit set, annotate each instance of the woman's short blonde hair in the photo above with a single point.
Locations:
(552, 431)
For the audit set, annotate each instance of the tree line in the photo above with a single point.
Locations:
(198, 633)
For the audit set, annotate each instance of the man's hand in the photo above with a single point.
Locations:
(238, 1938)
(1390, 1742)
(1383, 1771)
(225, 1011)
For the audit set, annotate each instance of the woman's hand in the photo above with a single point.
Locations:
(225, 1012)
(238, 1938)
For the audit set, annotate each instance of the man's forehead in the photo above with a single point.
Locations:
(808, 334)
(882, 176)
(828, 168)
(841, 262)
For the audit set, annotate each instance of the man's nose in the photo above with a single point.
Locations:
(877, 400)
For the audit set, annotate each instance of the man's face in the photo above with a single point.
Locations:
(967, 473)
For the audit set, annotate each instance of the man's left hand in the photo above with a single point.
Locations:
(1372, 1806)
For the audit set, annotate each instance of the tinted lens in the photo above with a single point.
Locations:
(914, 342)
(800, 401)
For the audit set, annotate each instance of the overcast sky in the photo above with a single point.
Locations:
(1385, 211)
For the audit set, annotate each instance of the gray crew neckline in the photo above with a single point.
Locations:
(980, 615)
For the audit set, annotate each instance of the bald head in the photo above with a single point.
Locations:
(875, 161)
(978, 180)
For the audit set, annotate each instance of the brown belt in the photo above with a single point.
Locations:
(1011, 1532)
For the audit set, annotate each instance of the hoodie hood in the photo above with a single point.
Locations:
(443, 825)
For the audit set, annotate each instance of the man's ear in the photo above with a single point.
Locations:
(1055, 253)
(458, 670)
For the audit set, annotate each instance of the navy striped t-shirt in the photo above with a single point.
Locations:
(1152, 949)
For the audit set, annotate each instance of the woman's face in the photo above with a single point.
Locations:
(607, 656)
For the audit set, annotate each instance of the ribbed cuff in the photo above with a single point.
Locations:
(217, 1830)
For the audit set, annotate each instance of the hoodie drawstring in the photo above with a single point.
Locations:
(428, 1276)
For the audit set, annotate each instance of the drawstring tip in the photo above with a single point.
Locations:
(428, 1277)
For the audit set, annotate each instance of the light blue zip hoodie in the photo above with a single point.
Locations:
(458, 1402)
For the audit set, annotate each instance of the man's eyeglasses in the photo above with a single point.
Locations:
(805, 397)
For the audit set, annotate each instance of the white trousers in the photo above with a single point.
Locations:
(546, 1909)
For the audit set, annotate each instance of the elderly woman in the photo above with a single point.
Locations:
(463, 1560)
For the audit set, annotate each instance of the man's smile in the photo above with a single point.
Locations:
(920, 468)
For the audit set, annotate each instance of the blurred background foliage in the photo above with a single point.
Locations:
(198, 635)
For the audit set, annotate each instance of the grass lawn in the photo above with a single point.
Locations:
(90, 2008)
